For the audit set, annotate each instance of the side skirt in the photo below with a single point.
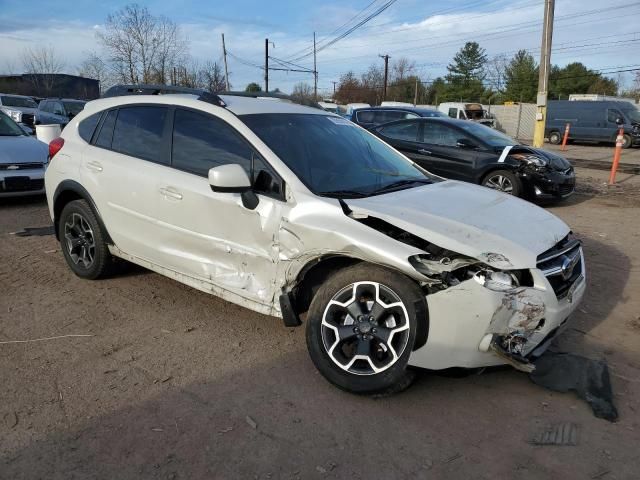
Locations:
(199, 284)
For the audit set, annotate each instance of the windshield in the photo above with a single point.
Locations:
(9, 128)
(633, 114)
(332, 156)
(24, 102)
(73, 108)
(488, 135)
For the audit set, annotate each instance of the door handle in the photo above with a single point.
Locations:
(95, 166)
(169, 192)
(424, 151)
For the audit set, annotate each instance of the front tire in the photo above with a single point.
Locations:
(83, 241)
(361, 329)
(626, 141)
(555, 138)
(504, 181)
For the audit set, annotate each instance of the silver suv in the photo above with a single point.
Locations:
(298, 213)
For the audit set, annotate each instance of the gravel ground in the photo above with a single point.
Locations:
(175, 384)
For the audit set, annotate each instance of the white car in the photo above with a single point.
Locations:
(288, 210)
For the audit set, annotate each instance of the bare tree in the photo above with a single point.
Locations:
(495, 70)
(372, 85)
(402, 68)
(94, 67)
(302, 92)
(212, 77)
(43, 63)
(142, 47)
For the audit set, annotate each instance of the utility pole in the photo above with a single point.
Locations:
(266, 65)
(315, 70)
(226, 70)
(334, 87)
(543, 79)
(415, 94)
(386, 75)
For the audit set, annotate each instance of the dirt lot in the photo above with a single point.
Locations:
(596, 153)
(176, 384)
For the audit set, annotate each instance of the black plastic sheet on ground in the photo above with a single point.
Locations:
(564, 372)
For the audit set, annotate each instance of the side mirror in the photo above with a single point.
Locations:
(465, 143)
(232, 178)
(620, 121)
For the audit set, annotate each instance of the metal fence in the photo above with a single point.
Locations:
(515, 120)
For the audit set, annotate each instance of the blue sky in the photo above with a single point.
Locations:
(427, 32)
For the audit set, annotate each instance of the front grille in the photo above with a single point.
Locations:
(21, 166)
(21, 184)
(27, 119)
(562, 265)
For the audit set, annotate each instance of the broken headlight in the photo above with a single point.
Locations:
(496, 281)
(531, 159)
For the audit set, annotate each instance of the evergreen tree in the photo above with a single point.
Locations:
(521, 78)
(466, 73)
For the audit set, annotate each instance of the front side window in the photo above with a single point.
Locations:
(488, 135)
(407, 131)
(438, 133)
(138, 132)
(613, 115)
(332, 156)
(201, 142)
(633, 114)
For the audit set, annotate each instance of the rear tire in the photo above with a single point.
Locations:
(555, 138)
(83, 241)
(361, 329)
(504, 181)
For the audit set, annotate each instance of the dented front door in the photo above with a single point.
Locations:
(212, 236)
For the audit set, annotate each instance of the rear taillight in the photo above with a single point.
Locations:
(54, 146)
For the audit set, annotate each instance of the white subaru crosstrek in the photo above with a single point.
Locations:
(289, 210)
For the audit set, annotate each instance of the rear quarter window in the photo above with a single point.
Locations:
(88, 126)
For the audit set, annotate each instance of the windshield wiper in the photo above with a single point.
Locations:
(399, 184)
(343, 194)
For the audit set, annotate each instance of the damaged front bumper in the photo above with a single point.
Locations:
(472, 326)
(549, 184)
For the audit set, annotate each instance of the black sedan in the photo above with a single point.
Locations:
(468, 151)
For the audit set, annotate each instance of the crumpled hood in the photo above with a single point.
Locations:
(22, 149)
(496, 228)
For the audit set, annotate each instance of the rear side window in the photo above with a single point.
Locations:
(201, 142)
(88, 126)
(365, 117)
(407, 131)
(106, 131)
(138, 133)
(453, 112)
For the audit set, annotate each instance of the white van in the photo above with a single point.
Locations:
(467, 111)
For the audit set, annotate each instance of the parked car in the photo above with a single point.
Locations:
(23, 160)
(471, 152)
(20, 108)
(58, 111)
(467, 111)
(352, 106)
(329, 106)
(286, 209)
(374, 116)
(593, 121)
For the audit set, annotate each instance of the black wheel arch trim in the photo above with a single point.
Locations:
(74, 187)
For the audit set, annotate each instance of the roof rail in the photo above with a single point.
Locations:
(146, 89)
